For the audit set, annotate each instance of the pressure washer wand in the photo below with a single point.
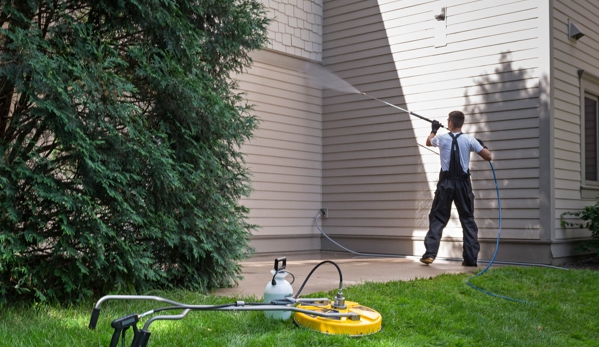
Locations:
(399, 108)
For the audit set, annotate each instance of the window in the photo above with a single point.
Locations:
(590, 139)
(589, 129)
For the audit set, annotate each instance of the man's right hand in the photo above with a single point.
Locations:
(435, 126)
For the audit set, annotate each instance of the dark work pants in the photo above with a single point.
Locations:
(459, 191)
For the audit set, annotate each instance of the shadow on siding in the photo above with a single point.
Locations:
(372, 168)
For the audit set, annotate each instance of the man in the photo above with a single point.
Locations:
(454, 186)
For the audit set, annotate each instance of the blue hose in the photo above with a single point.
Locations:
(496, 249)
(500, 220)
(480, 261)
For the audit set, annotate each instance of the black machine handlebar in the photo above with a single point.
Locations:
(121, 325)
(141, 336)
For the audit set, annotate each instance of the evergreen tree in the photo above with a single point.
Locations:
(120, 136)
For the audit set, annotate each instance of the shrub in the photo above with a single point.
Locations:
(120, 132)
(590, 217)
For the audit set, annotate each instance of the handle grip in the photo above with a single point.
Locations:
(94, 319)
(282, 259)
(114, 342)
(121, 325)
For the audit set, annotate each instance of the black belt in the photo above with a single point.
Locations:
(447, 174)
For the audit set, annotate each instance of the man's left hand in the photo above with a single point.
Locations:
(481, 143)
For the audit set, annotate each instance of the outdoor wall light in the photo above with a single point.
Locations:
(573, 32)
(441, 16)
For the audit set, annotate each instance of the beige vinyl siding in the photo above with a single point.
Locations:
(569, 57)
(378, 182)
(284, 156)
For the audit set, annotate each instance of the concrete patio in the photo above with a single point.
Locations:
(355, 270)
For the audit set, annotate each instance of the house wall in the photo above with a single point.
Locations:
(285, 155)
(296, 27)
(365, 162)
(487, 59)
(569, 57)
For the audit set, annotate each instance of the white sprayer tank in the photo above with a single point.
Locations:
(279, 290)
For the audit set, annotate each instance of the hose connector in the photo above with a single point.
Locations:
(340, 299)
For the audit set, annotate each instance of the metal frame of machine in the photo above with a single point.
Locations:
(319, 314)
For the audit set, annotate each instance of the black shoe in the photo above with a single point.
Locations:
(469, 265)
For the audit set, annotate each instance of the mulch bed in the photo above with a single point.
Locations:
(590, 263)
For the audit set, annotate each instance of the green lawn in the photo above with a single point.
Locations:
(561, 309)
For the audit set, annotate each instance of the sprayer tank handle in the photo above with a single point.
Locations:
(283, 266)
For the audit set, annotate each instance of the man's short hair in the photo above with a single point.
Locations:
(457, 117)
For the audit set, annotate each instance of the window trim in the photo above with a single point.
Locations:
(589, 86)
(595, 98)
